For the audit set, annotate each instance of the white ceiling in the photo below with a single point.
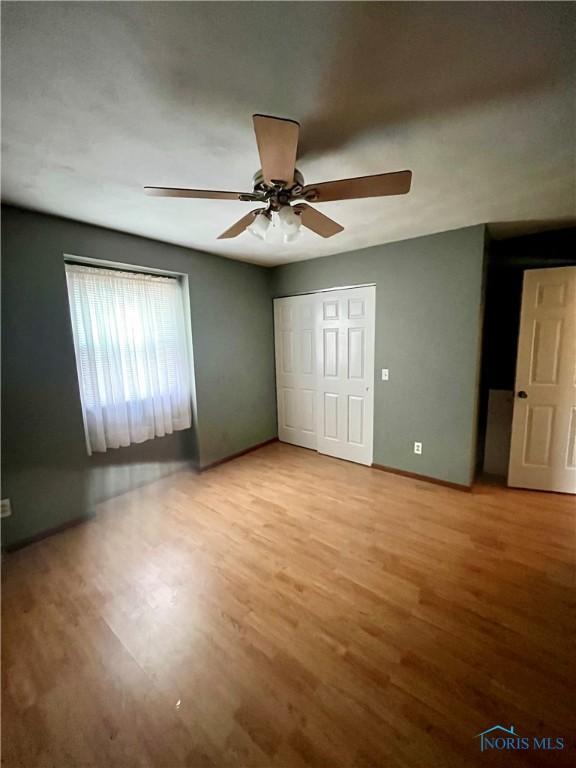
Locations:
(100, 99)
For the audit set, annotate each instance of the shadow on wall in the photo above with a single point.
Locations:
(503, 230)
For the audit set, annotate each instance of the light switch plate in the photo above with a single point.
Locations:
(5, 508)
(418, 448)
(385, 374)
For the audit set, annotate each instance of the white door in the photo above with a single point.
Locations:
(543, 446)
(295, 338)
(345, 363)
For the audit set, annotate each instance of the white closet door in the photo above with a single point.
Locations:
(294, 319)
(345, 365)
(543, 448)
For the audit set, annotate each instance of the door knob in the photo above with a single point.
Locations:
(522, 394)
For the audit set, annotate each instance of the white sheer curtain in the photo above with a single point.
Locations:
(131, 345)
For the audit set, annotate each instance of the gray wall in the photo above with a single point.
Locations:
(429, 294)
(428, 327)
(46, 472)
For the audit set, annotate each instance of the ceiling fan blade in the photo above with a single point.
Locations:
(317, 222)
(208, 194)
(381, 184)
(277, 141)
(239, 227)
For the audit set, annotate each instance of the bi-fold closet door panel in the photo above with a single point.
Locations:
(295, 342)
(325, 371)
(345, 373)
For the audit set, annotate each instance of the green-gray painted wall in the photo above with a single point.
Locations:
(46, 472)
(428, 327)
(429, 294)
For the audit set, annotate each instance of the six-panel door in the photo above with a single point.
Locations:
(295, 340)
(543, 447)
(325, 371)
(345, 363)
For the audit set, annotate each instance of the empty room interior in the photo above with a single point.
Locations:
(288, 384)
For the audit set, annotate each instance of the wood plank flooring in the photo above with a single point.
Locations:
(288, 609)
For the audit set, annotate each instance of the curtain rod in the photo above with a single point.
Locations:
(97, 264)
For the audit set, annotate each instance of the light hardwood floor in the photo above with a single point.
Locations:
(288, 609)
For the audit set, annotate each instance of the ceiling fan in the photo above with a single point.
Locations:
(279, 186)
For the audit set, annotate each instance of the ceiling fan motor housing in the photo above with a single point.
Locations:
(294, 189)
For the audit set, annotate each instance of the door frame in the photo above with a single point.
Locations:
(325, 290)
(559, 479)
(330, 290)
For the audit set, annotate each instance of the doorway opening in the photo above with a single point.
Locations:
(503, 386)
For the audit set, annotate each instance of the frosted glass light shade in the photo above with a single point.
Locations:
(289, 222)
(259, 226)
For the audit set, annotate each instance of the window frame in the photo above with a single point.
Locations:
(183, 281)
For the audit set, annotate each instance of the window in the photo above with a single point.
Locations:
(131, 343)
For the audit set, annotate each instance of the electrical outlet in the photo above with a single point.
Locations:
(5, 508)
(385, 374)
(418, 448)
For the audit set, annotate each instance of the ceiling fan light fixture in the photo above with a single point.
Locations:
(259, 227)
(289, 222)
(279, 183)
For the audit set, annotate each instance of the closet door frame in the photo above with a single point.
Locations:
(298, 321)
